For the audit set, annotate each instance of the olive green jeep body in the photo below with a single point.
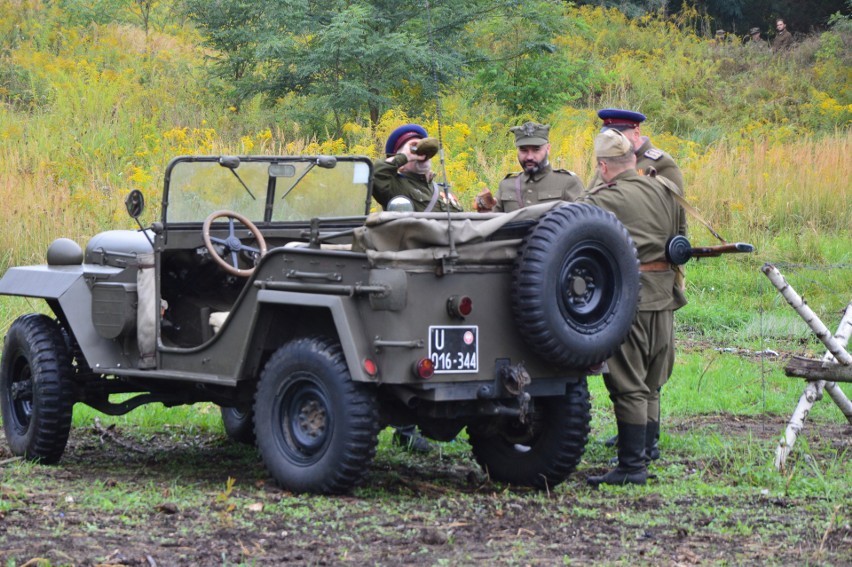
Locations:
(268, 287)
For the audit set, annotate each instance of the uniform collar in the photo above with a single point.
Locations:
(646, 145)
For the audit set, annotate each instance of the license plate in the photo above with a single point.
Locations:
(454, 349)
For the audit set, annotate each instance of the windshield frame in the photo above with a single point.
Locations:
(271, 195)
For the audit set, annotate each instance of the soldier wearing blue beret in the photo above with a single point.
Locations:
(648, 157)
(538, 182)
(407, 172)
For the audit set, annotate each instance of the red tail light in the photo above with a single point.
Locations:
(424, 368)
(459, 306)
(370, 367)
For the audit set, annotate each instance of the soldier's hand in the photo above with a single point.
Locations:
(484, 201)
(408, 150)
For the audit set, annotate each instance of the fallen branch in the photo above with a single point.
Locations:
(810, 369)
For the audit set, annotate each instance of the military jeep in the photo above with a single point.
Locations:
(269, 289)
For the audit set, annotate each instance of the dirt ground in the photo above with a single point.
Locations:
(163, 500)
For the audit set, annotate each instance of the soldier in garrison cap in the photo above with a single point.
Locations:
(538, 182)
(407, 172)
(648, 158)
(647, 207)
(755, 40)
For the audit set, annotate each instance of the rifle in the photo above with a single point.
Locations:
(679, 250)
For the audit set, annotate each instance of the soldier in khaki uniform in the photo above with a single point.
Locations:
(784, 39)
(647, 208)
(538, 182)
(407, 172)
(647, 156)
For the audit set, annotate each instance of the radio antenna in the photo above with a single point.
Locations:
(453, 253)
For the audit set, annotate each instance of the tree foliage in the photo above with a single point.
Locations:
(343, 60)
(349, 58)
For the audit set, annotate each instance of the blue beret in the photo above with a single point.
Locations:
(620, 117)
(401, 135)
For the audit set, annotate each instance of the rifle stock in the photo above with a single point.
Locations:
(679, 251)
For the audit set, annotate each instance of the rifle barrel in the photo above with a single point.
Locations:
(711, 251)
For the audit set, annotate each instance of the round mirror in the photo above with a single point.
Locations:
(400, 204)
(135, 203)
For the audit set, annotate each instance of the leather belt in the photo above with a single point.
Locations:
(655, 267)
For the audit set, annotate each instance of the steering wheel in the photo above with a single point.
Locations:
(232, 244)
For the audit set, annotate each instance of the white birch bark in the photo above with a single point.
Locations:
(836, 352)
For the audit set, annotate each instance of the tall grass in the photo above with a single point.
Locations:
(94, 109)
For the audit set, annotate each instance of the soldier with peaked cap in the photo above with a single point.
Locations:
(538, 182)
(647, 156)
(647, 207)
(407, 171)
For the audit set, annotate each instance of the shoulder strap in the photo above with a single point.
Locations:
(518, 193)
(687, 207)
(435, 192)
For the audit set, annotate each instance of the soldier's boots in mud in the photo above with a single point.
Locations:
(632, 467)
(410, 439)
(652, 442)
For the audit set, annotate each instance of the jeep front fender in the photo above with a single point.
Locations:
(67, 287)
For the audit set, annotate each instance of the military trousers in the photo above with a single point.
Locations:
(641, 366)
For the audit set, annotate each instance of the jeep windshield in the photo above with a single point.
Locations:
(266, 188)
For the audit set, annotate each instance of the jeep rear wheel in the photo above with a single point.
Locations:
(575, 285)
(543, 453)
(36, 389)
(239, 424)
(316, 429)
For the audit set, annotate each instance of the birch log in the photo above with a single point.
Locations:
(836, 355)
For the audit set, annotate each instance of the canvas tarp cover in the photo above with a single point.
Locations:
(392, 239)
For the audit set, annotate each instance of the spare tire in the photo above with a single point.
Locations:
(575, 285)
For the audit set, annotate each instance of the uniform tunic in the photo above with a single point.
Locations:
(388, 183)
(783, 41)
(647, 156)
(547, 185)
(644, 362)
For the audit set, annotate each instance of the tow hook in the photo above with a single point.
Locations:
(515, 379)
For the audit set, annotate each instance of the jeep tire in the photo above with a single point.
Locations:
(36, 389)
(316, 429)
(239, 424)
(575, 285)
(544, 454)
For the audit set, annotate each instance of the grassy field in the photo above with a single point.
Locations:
(89, 111)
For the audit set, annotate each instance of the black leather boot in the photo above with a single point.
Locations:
(652, 439)
(631, 468)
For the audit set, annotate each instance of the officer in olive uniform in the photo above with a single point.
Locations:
(647, 156)
(647, 207)
(538, 182)
(407, 171)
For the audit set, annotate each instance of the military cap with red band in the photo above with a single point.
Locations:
(620, 117)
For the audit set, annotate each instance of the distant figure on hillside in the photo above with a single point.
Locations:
(538, 182)
(755, 40)
(720, 39)
(783, 39)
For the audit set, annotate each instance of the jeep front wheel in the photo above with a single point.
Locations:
(542, 453)
(316, 429)
(36, 389)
